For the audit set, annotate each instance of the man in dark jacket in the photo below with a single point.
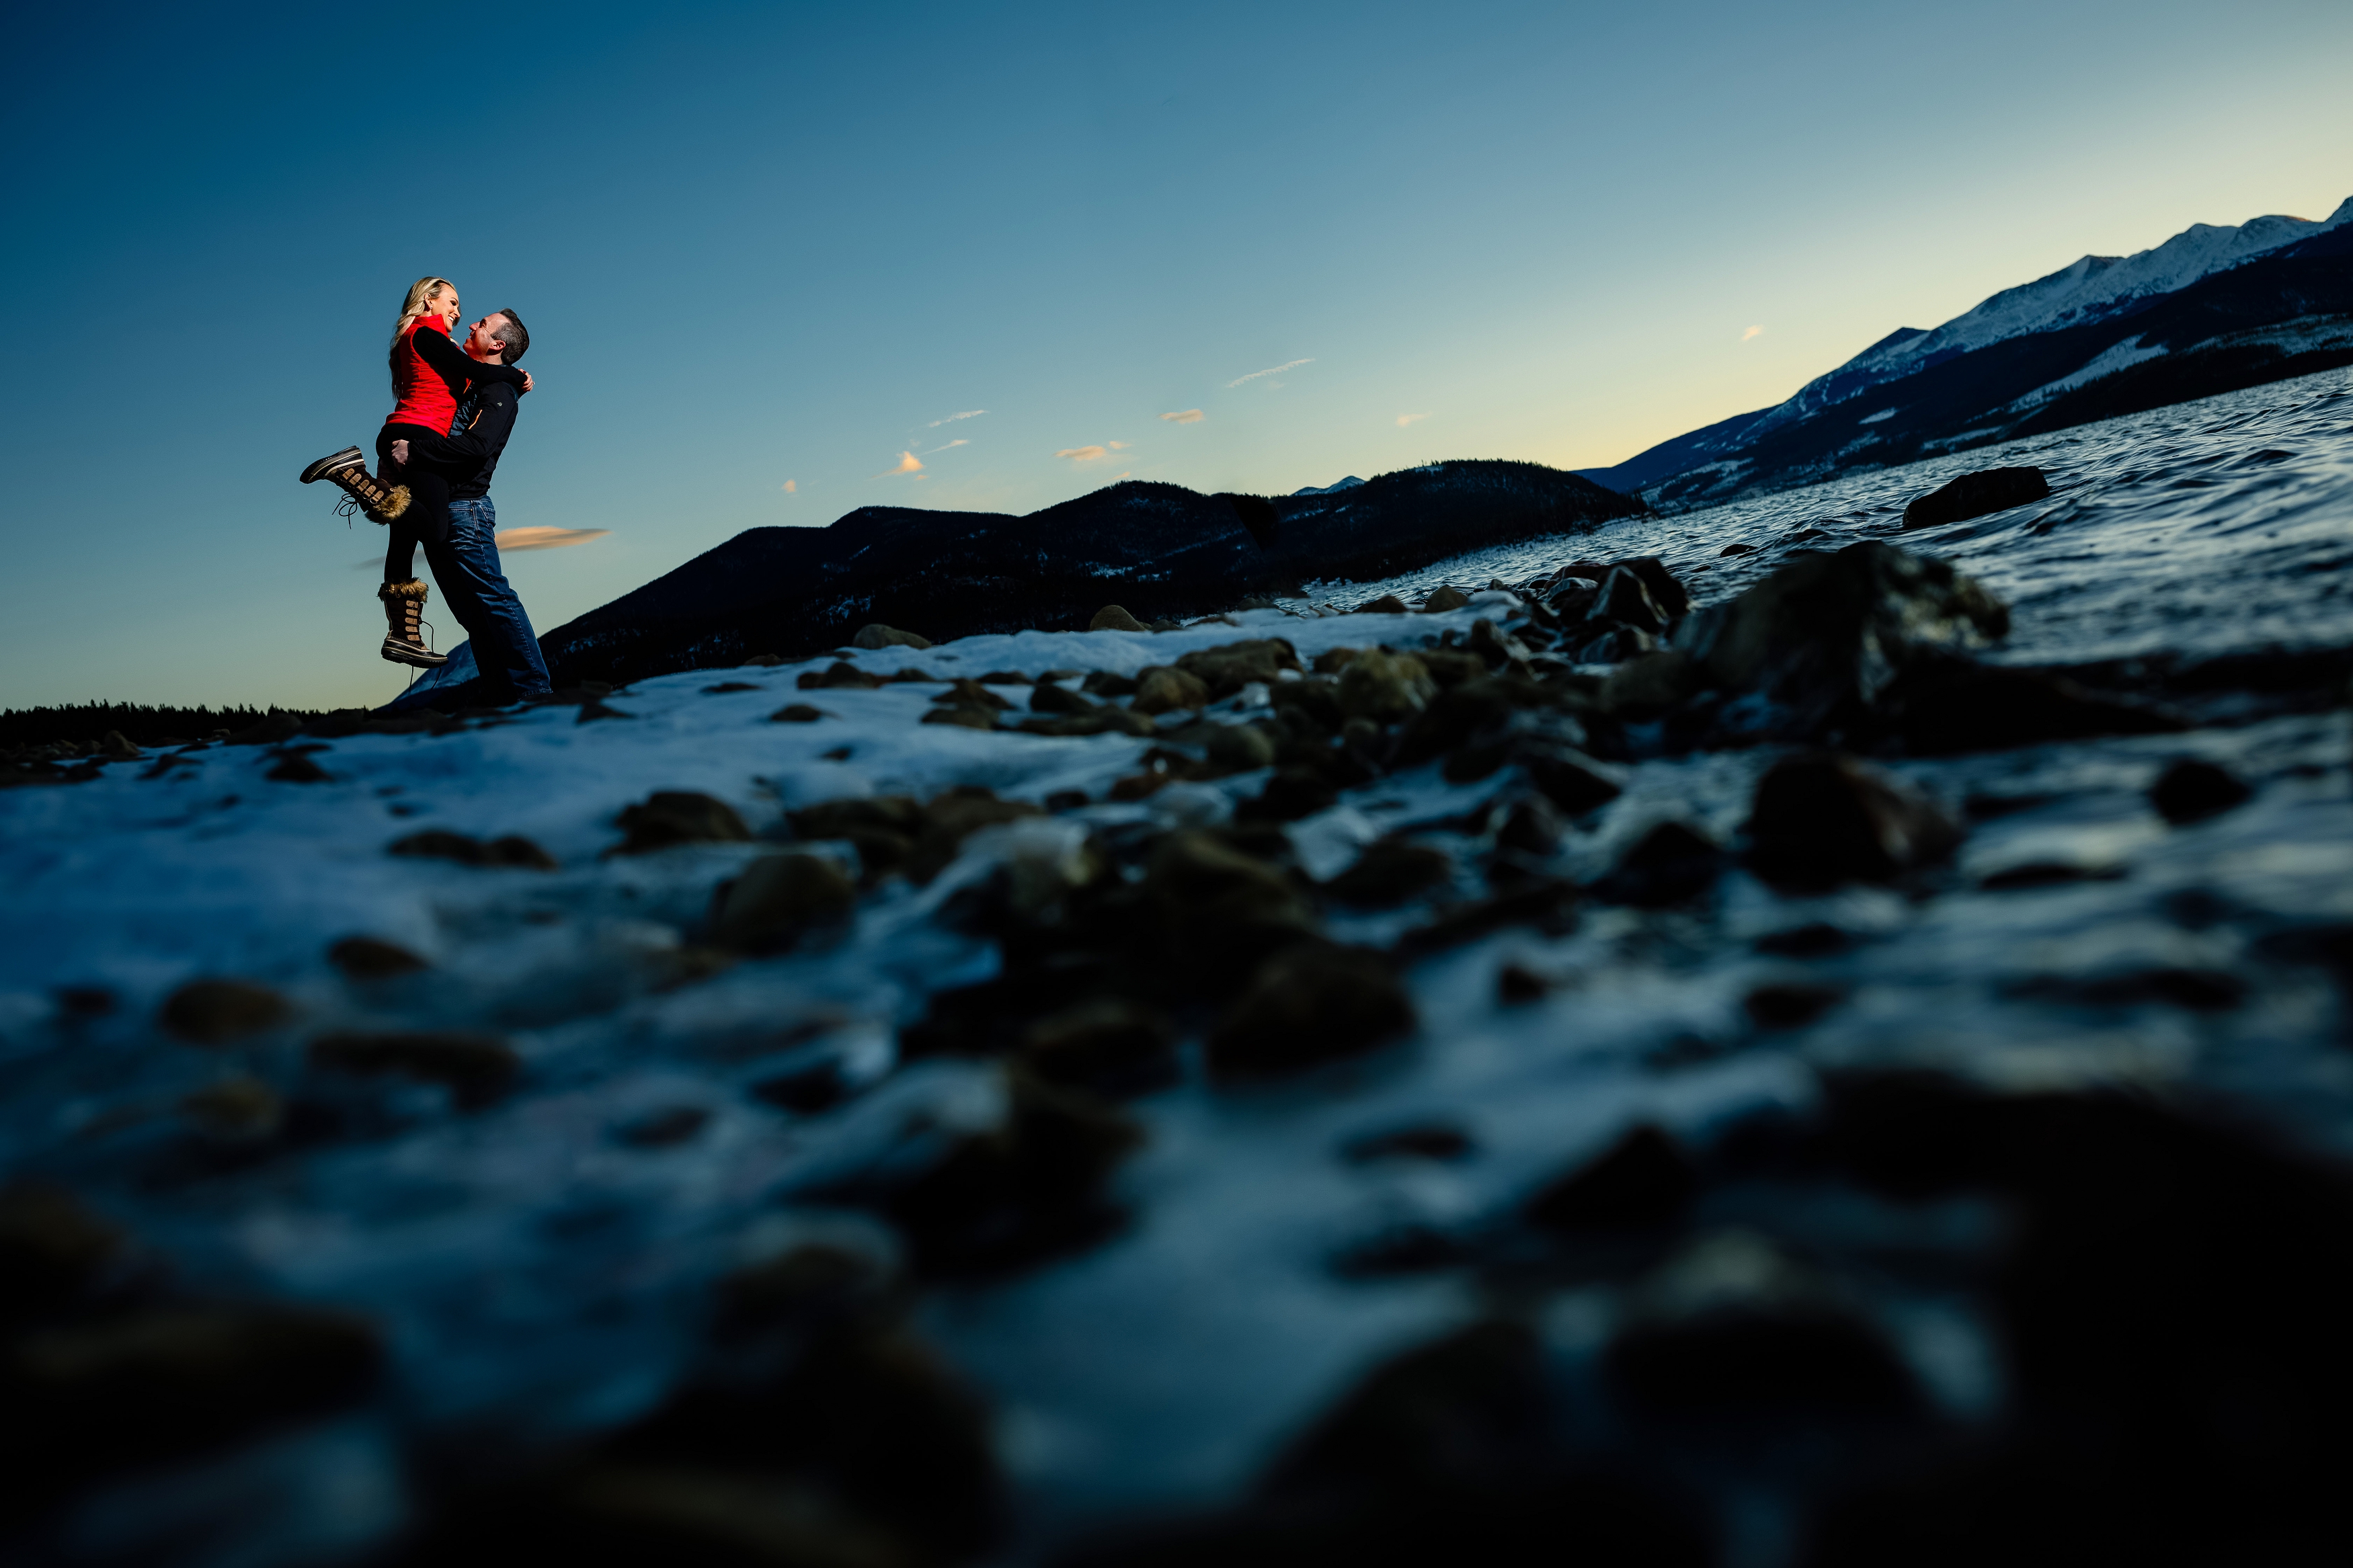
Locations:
(506, 650)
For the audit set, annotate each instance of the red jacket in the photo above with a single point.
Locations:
(425, 398)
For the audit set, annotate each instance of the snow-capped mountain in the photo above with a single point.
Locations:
(2107, 335)
(2093, 289)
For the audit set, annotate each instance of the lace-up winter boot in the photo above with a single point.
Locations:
(404, 608)
(347, 469)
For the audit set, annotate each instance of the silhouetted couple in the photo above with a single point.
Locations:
(454, 410)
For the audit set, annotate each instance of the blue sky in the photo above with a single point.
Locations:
(770, 245)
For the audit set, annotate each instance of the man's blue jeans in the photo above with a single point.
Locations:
(475, 587)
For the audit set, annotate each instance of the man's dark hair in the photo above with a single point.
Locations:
(511, 332)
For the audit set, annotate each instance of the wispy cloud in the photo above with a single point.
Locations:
(1406, 419)
(1083, 454)
(967, 413)
(908, 463)
(1185, 416)
(547, 538)
(958, 442)
(1752, 332)
(1270, 370)
(790, 486)
(1125, 473)
(1118, 446)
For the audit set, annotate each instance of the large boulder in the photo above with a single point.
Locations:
(1977, 495)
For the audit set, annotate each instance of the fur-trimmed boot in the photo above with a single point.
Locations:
(348, 472)
(403, 607)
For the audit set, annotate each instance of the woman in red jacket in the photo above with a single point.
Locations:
(430, 375)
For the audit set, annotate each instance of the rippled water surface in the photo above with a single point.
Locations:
(536, 1273)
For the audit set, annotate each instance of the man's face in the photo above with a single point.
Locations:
(479, 341)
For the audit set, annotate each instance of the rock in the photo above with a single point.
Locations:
(729, 687)
(669, 818)
(1435, 1140)
(1979, 494)
(1015, 678)
(1516, 985)
(1164, 690)
(1048, 698)
(1733, 1325)
(162, 1382)
(370, 958)
(1113, 618)
(961, 717)
(1495, 649)
(1102, 721)
(1387, 605)
(214, 1011)
(1949, 706)
(762, 662)
(592, 710)
(115, 744)
(1388, 872)
(911, 676)
(54, 1252)
(1241, 748)
(778, 898)
(1614, 646)
(1822, 639)
(876, 636)
(1312, 1003)
(1029, 1189)
(1625, 600)
(1332, 661)
(1642, 1180)
(294, 767)
(951, 816)
(1109, 1048)
(1532, 826)
(1547, 903)
(840, 673)
(476, 1068)
(239, 1110)
(1292, 794)
(1671, 864)
(1570, 780)
(1224, 912)
(1451, 668)
(513, 851)
(1227, 669)
(1646, 685)
(972, 694)
(1789, 1006)
(1444, 599)
(2190, 791)
(1824, 818)
(1105, 683)
(1385, 687)
(1815, 939)
(797, 713)
(1737, 550)
(274, 730)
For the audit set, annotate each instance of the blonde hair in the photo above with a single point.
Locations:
(421, 294)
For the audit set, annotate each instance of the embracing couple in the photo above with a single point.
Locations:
(453, 411)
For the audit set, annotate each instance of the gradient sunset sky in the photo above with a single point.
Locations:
(780, 261)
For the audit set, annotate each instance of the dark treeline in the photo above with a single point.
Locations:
(86, 723)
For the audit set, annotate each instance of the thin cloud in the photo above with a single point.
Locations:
(908, 463)
(1185, 416)
(547, 538)
(1124, 474)
(1752, 332)
(1270, 370)
(1406, 419)
(958, 442)
(1119, 446)
(791, 487)
(1083, 454)
(967, 413)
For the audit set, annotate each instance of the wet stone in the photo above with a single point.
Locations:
(54, 1251)
(1312, 1003)
(214, 1011)
(2192, 791)
(663, 1129)
(797, 713)
(1788, 1006)
(1105, 683)
(961, 717)
(1292, 794)
(1444, 599)
(239, 1109)
(1671, 864)
(512, 852)
(1987, 491)
(726, 688)
(841, 673)
(1816, 939)
(1516, 985)
(1389, 872)
(371, 958)
(1109, 1048)
(669, 818)
(778, 899)
(476, 1068)
(1824, 818)
(1048, 698)
(1162, 688)
(1643, 1180)
(1227, 669)
(1114, 619)
(1440, 1141)
(1947, 707)
(878, 636)
(1385, 687)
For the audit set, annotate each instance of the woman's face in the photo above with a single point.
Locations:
(444, 307)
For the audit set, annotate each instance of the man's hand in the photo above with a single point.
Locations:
(526, 381)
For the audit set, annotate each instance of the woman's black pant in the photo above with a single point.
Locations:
(428, 517)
